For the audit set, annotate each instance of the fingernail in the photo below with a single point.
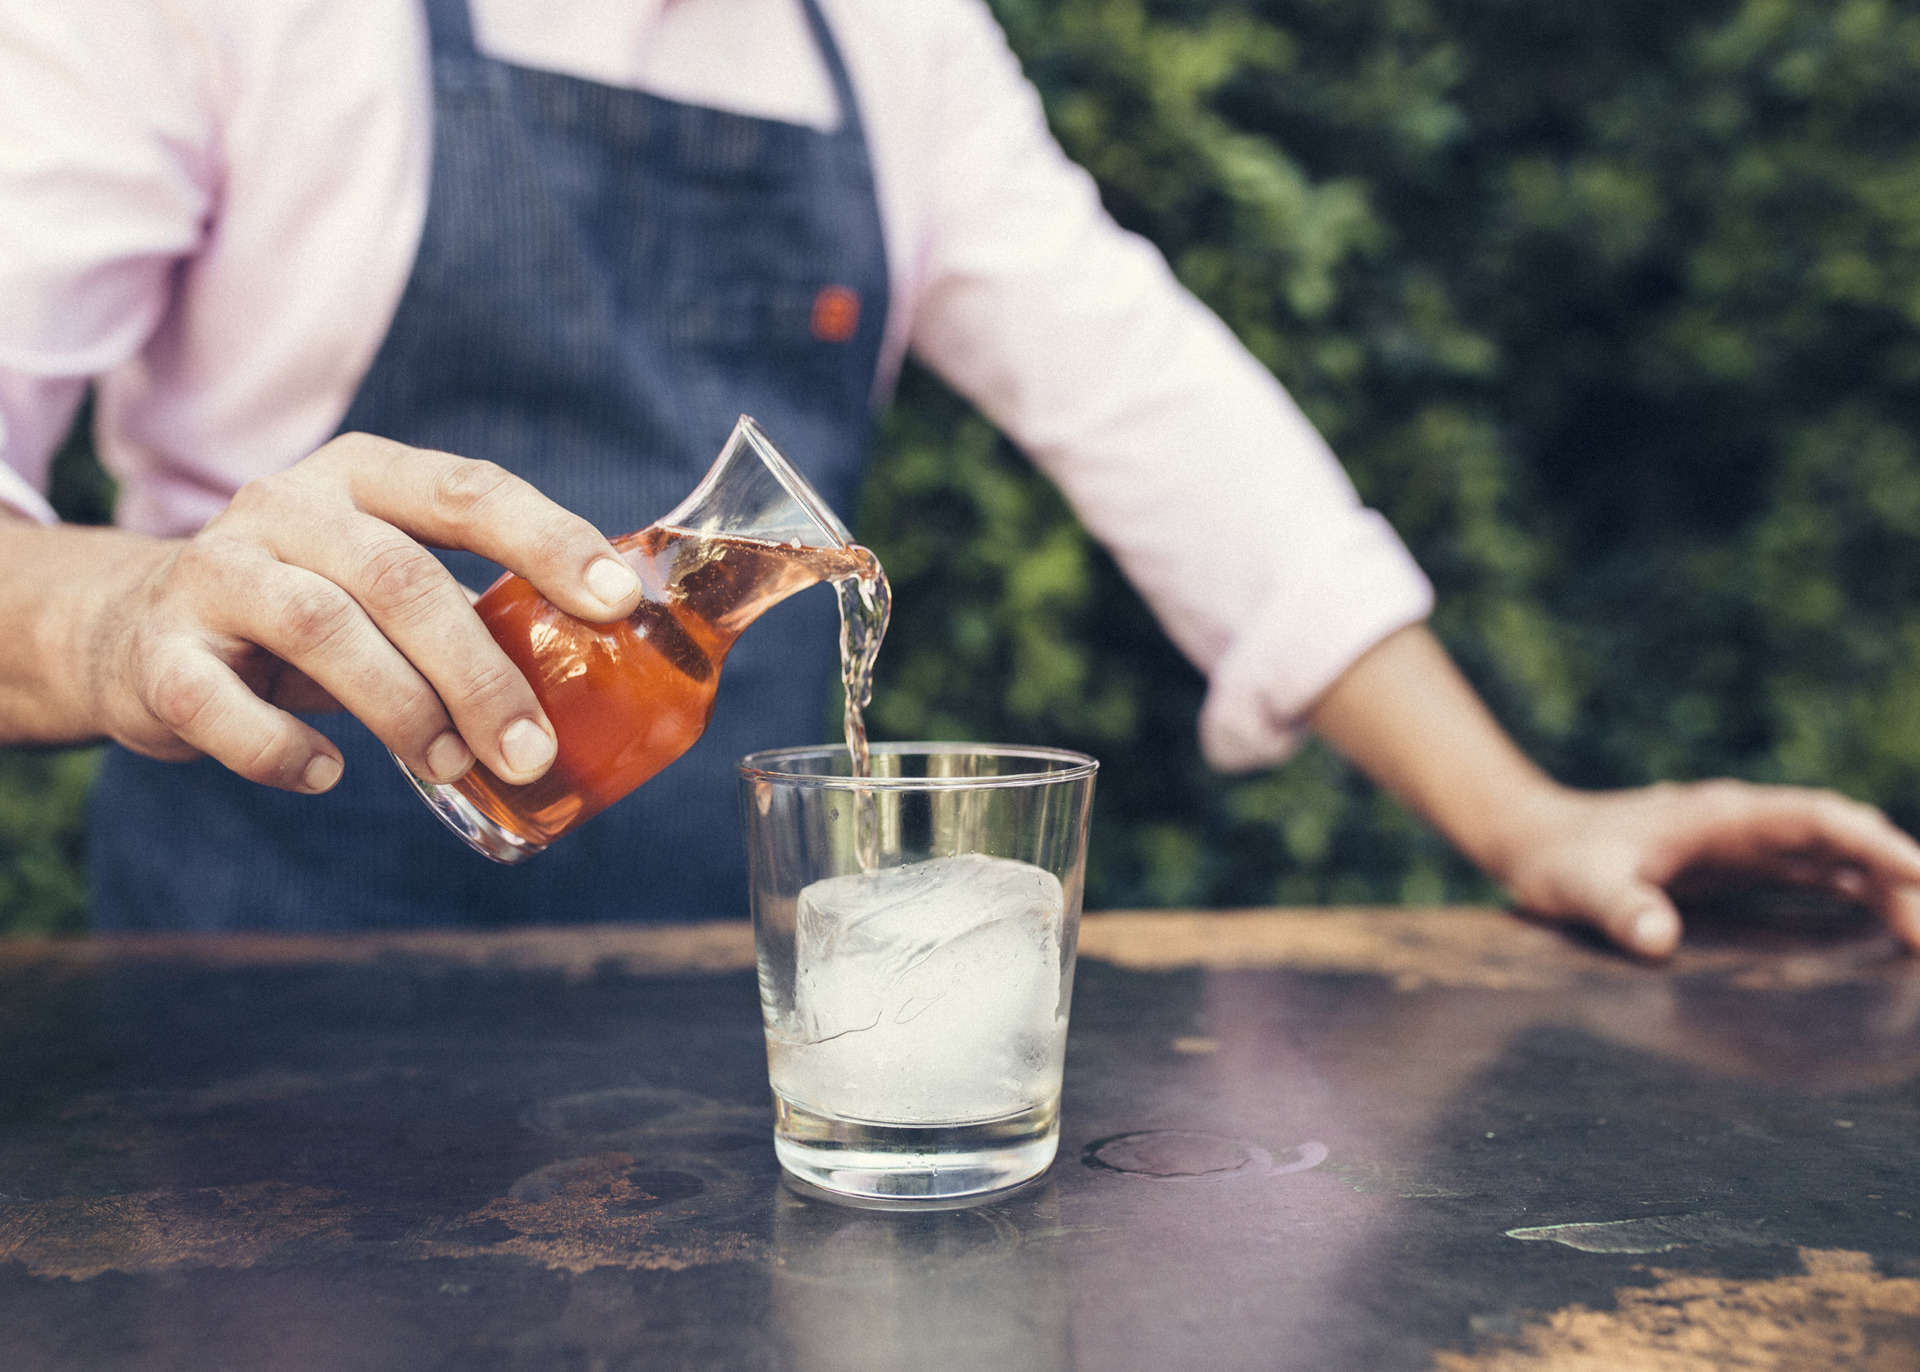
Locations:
(1653, 929)
(448, 758)
(321, 773)
(612, 581)
(526, 746)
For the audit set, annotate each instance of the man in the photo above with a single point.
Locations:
(576, 243)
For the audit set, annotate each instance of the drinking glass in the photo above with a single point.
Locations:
(915, 931)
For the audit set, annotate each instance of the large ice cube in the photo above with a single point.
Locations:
(928, 993)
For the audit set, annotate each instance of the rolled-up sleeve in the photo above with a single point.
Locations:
(105, 185)
(1179, 451)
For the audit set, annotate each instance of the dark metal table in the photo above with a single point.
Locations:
(1327, 1140)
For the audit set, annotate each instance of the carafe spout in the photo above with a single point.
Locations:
(752, 491)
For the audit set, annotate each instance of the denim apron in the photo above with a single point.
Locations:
(606, 280)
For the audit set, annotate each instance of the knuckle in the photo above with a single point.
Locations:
(262, 495)
(1840, 809)
(200, 557)
(1860, 808)
(464, 487)
(401, 575)
(1724, 797)
(1827, 804)
(341, 448)
(207, 560)
(313, 617)
(491, 682)
(178, 690)
(249, 499)
(563, 538)
(418, 719)
(275, 759)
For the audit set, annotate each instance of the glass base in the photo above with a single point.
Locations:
(467, 821)
(905, 1162)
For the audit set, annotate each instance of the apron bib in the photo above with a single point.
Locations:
(605, 281)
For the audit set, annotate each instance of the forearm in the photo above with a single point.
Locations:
(1405, 715)
(53, 585)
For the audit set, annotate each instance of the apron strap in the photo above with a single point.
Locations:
(836, 71)
(451, 28)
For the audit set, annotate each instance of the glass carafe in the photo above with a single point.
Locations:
(625, 699)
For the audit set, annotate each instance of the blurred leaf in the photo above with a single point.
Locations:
(42, 813)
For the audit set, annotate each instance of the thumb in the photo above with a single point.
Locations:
(1638, 916)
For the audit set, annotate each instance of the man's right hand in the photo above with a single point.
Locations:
(312, 590)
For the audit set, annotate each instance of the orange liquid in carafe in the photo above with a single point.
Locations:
(626, 699)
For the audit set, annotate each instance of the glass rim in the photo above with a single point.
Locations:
(764, 766)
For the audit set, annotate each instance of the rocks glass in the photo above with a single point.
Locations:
(915, 932)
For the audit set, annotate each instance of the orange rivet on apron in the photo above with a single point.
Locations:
(836, 314)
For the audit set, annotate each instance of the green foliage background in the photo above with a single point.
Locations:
(1611, 308)
(43, 792)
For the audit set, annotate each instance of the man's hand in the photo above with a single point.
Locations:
(1406, 716)
(1612, 859)
(311, 591)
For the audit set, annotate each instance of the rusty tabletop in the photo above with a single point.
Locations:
(1341, 1139)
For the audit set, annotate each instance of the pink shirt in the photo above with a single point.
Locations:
(209, 209)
